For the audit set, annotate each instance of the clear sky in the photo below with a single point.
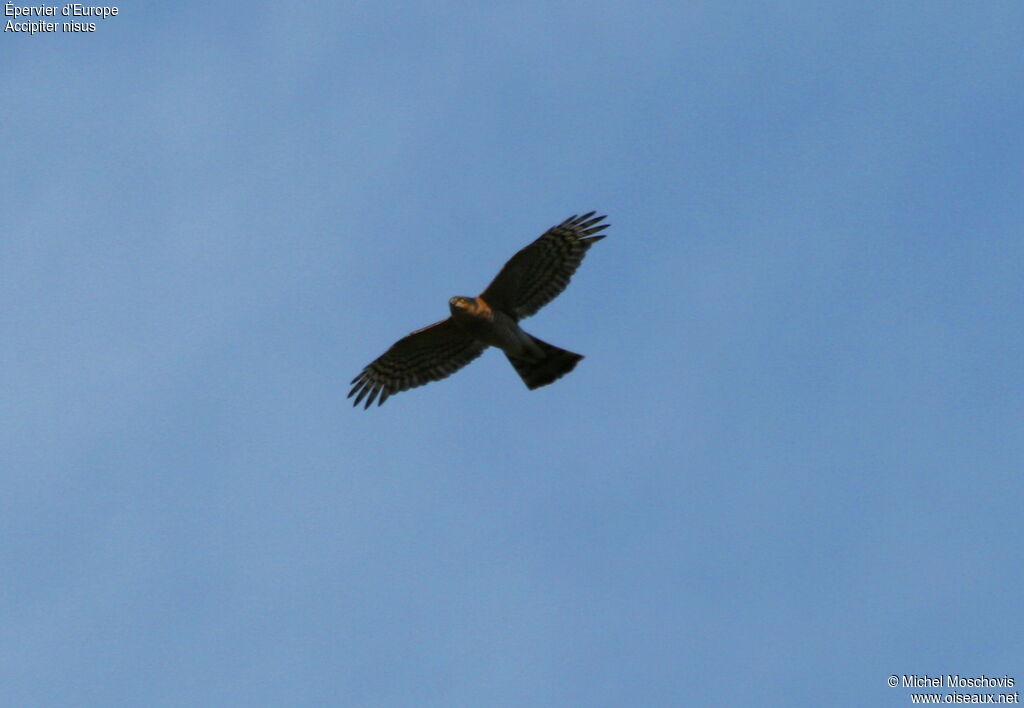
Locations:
(788, 468)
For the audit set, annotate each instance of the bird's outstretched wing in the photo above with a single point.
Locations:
(539, 272)
(426, 355)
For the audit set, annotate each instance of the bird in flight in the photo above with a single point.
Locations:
(531, 279)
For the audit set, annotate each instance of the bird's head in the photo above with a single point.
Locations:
(459, 304)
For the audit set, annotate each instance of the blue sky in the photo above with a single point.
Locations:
(789, 467)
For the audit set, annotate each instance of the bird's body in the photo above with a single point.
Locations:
(532, 278)
(497, 329)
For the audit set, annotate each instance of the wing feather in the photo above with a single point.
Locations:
(538, 273)
(426, 355)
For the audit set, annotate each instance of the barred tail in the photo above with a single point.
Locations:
(555, 364)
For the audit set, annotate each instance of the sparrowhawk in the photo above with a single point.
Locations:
(531, 279)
